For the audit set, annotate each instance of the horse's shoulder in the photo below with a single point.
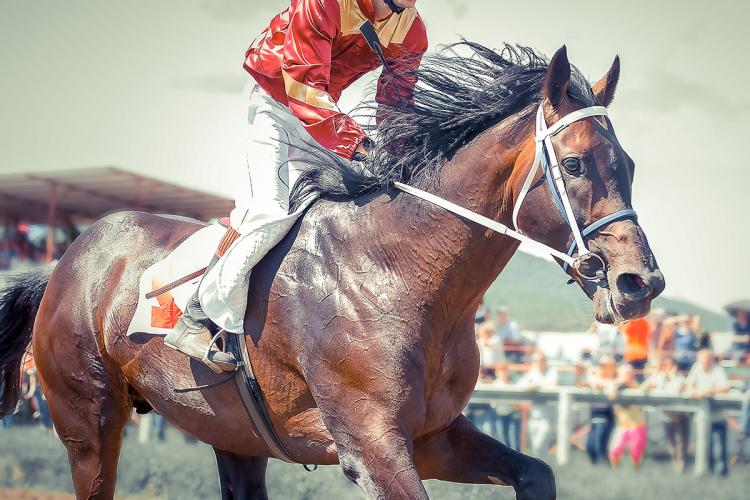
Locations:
(339, 222)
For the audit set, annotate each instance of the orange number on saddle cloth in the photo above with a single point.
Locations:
(166, 314)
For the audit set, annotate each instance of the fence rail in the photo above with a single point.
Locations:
(566, 397)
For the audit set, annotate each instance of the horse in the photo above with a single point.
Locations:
(359, 323)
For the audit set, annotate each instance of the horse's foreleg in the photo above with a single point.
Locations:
(241, 478)
(463, 454)
(379, 461)
(375, 453)
(369, 418)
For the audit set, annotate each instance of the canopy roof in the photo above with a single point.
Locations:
(86, 194)
(740, 305)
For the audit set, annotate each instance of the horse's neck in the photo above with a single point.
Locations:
(458, 260)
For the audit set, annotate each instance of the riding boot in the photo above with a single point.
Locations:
(193, 335)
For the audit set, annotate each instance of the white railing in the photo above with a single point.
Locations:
(566, 397)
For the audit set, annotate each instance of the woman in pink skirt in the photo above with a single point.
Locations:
(630, 432)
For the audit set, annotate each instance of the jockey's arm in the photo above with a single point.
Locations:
(306, 71)
(396, 84)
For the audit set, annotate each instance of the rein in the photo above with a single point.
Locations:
(544, 155)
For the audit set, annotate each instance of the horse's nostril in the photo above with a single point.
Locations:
(633, 284)
(639, 281)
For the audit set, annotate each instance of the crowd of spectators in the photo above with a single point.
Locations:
(665, 353)
(17, 246)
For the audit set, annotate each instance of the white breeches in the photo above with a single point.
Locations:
(276, 146)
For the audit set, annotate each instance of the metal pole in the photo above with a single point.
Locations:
(524, 430)
(564, 425)
(702, 435)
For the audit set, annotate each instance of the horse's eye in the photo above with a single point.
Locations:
(573, 165)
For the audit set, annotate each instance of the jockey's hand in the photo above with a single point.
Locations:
(360, 154)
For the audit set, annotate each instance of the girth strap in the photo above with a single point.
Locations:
(252, 398)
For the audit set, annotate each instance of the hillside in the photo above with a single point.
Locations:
(535, 292)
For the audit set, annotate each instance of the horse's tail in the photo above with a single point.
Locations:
(19, 302)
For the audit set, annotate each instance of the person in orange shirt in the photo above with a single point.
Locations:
(637, 333)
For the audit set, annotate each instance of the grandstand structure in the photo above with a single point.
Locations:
(63, 199)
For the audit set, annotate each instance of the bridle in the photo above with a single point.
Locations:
(545, 157)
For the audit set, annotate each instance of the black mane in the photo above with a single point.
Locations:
(456, 99)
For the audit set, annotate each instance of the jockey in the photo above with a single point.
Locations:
(299, 67)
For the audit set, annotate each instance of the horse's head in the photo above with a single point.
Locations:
(597, 176)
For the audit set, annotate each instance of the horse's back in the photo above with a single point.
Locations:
(92, 292)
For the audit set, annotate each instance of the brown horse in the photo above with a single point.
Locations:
(360, 323)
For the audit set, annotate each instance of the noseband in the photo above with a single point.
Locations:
(545, 157)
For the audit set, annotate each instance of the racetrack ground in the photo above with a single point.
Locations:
(34, 464)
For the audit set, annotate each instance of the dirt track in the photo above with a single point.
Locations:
(16, 494)
(31, 459)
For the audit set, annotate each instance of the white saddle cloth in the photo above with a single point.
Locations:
(157, 315)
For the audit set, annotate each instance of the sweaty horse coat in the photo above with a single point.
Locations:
(360, 323)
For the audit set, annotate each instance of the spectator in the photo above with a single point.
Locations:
(680, 335)
(483, 414)
(706, 379)
(744, 432)
(490, 349)
(741, 337)
(6, 254)
(658, 329)
(34, 394)
(484, 417)
(603, 379)
(540, 376)
(580, 374)
(508, 417)
(630, 432)
(481, 315)
(686, 341)
(609, 339)
(676, 423)
(637, 333)
(510, 336)
(6, 421)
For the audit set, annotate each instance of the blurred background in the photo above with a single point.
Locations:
(113, 105)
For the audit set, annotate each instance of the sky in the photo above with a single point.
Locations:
(154, 87)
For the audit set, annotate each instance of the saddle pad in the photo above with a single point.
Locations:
(158, 315)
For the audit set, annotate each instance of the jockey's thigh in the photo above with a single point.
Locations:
(274, 146)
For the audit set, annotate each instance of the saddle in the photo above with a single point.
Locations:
(165, 287)
(164, 291)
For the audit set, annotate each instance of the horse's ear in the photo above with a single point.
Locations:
(604, 89)
(558, 78)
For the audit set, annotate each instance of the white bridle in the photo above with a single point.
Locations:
(544, 155)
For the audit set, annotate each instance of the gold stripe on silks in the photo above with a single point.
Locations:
(396, 27)
(307, 94)
(351, 17)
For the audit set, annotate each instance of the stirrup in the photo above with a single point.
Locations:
(220, 333)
